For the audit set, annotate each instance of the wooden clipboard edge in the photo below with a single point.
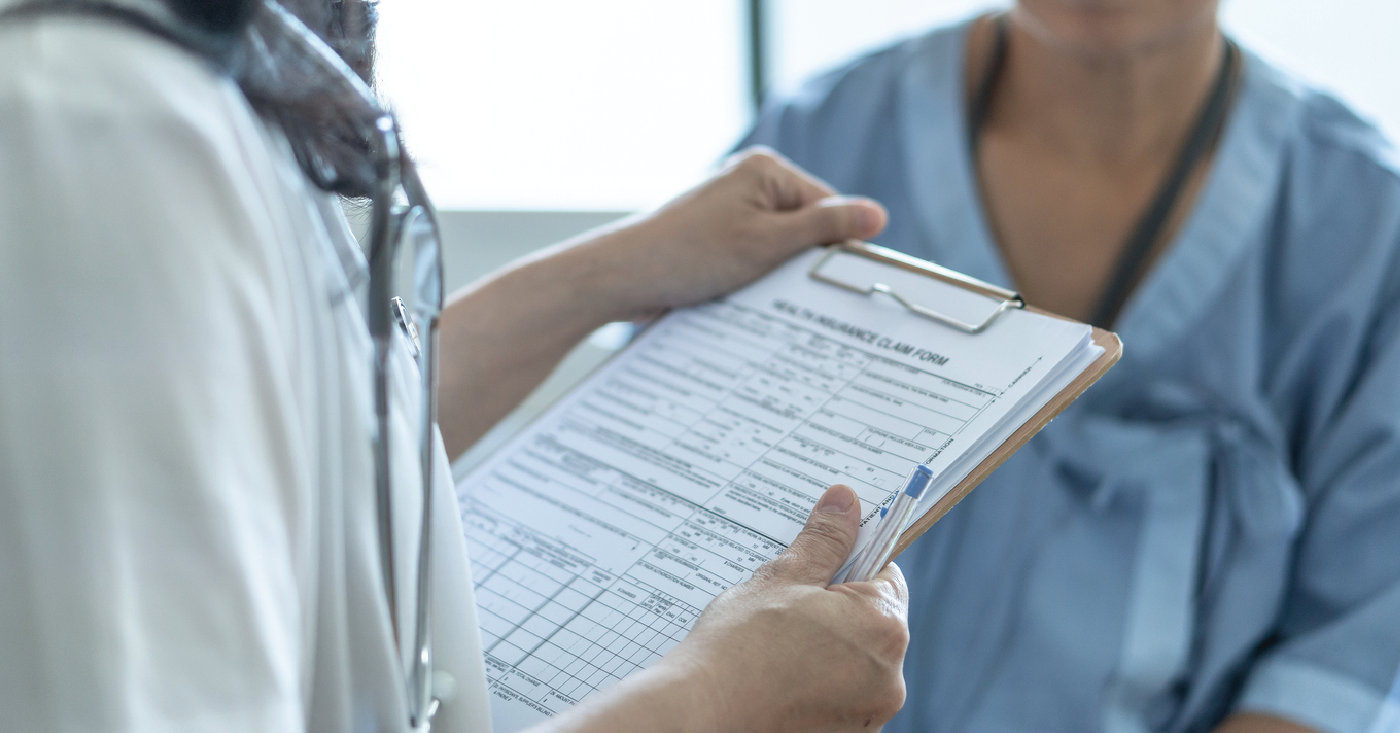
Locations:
(1113, 349)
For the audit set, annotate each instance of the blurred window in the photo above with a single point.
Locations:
(564, 105)
(810, 36)
(616, 105)
(1347, 46)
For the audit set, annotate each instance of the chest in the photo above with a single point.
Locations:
(1061, 224)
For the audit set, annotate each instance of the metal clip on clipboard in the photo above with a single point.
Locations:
(1005, 299)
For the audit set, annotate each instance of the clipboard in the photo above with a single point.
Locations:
(999, 301)
(625, 495)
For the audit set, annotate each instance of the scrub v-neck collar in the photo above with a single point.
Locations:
(1228, 215)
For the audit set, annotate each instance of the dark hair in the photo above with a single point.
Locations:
(321, 117)
(214, 16)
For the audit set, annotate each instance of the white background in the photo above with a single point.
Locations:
(564, 104)
(616, 105)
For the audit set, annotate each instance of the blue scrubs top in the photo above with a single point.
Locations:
(1215, 526)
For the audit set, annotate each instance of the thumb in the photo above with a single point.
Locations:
(823, 545)
(836, 219)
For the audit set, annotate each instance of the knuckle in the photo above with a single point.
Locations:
(759, 160)
(890, 698)
(758, 155)
(893, 589)
(771, 571)
(898, 584)
(894, 634)
(885, 631)
(883, 695)
(896, 609)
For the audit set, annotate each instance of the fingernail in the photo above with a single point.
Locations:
(842, 201)
(836, 501)
(867, 220)
(866, 212)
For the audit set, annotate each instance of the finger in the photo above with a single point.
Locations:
(894, 586)
(798, 188)
(823, 545)
(786, 186)
(834, 219)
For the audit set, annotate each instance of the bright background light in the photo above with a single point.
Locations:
(1350, 47)
(616, 105)
(564, 104)
(810, 36)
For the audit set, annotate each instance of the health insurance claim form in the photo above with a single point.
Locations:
(600, 532)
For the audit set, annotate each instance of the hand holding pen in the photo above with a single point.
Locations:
(893, 520)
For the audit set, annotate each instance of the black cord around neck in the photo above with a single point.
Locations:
(1205, 130)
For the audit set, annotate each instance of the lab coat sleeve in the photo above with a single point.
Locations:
(1333, 660)
(152, 490)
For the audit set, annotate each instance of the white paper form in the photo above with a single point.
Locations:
(599, 534)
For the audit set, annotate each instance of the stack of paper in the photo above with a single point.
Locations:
(599, 533)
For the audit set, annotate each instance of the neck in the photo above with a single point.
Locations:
(1108, 106)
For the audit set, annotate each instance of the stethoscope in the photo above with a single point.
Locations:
(402, 222)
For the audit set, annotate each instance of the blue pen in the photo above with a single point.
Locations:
(893, 520)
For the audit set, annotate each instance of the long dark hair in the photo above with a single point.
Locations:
(322, 119)
(323, 122)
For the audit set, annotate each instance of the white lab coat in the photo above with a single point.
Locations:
(187, 534)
